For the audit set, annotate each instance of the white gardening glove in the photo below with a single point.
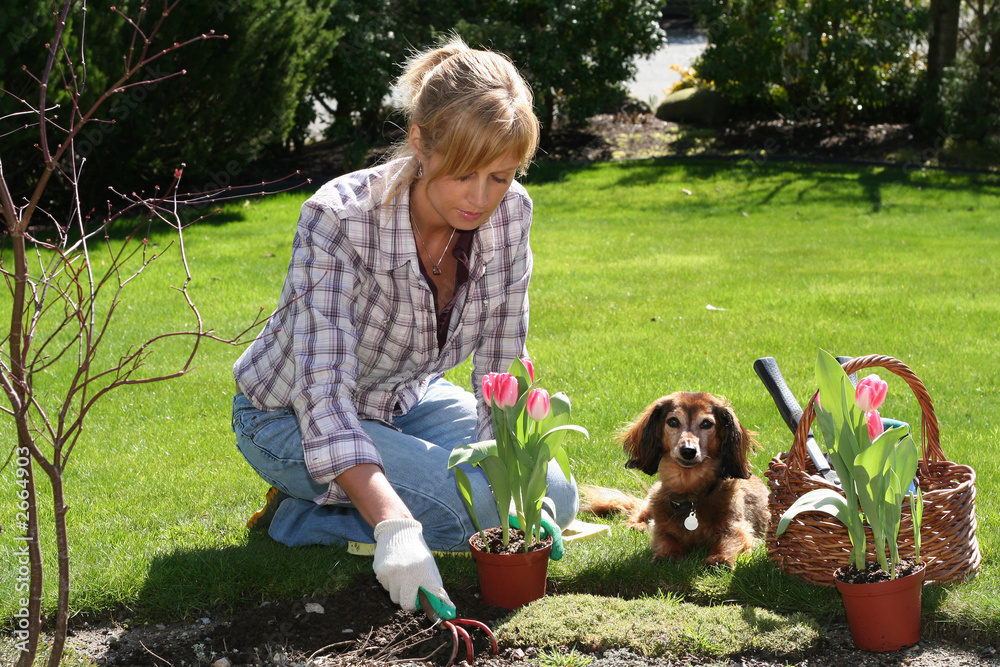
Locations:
(404, 563)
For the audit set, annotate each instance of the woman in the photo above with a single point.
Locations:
(399, 273)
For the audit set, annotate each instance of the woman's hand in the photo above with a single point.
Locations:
(403, 562)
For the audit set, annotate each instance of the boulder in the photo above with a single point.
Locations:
(695, 106)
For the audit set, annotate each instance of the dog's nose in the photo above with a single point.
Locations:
(688, 452)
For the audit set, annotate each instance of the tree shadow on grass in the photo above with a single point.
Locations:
(184, 582)
(840, 180)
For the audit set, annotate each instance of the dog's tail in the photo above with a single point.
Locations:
(603, 501)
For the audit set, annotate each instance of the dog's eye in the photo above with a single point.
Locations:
(673, 422)
(707, 424)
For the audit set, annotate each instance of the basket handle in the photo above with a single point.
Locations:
(929, 434)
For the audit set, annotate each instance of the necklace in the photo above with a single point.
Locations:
(435, 266)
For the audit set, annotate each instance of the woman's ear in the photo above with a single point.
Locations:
(416, 144)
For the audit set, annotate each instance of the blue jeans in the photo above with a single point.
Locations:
(415, 459)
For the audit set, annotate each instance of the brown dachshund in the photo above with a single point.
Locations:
(705, 494)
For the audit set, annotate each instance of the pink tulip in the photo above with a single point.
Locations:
(489, 383)
(870, 393)
(875, 427)
(538, 404)
(505, 390)
(531, 369)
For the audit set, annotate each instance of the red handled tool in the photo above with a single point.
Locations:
(455, 626)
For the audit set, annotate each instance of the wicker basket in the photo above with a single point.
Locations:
(815, 544)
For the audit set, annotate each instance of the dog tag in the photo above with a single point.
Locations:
(691, 522)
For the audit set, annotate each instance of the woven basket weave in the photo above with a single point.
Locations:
(815, 544)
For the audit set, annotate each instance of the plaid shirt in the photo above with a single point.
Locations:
(354, 335)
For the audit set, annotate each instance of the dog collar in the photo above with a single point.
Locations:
(683, 506)
(691, 522)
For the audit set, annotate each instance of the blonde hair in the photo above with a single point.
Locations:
(472, 107)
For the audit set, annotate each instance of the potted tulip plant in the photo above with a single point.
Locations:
(529, 428)
(877, 469)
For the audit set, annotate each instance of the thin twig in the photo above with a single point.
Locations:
(328, 646)
(154, 655)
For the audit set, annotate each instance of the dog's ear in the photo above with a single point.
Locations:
(735, 441)
(643, 440)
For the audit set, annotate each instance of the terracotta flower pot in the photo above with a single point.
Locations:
(884, 616)
(511, 580)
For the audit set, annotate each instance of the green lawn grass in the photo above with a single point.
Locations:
(650, 276)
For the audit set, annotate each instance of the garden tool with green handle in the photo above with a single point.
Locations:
(441, 612)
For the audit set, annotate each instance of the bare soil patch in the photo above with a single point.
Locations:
(360, 625)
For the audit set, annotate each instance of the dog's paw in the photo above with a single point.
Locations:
(636, 525)
(720, 560)
(666, 550)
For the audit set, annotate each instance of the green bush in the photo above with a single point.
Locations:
(237, 96)
(744, 53)
(845, 60)
(355, 79)
(970, 92)
(576, 56)
(374, 38)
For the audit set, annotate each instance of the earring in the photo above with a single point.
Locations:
(420, 169)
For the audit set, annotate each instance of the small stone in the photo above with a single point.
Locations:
(314, 608)
(517, 654)
(206, 620)
(222, 662)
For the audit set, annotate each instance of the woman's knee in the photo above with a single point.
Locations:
(564, 494)
(271, 443)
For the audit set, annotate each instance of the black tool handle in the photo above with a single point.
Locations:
(788, 407)
(791, 411)
(853, 376)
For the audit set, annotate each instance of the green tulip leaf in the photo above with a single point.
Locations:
(817, 500)
(472, 453)
(465, 491)
(520, 371)
(559, 415)
(562, 458)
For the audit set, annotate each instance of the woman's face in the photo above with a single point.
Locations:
(464, 201)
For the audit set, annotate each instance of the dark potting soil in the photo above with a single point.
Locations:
(515, 542)
(358, 625)
(873, 573)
